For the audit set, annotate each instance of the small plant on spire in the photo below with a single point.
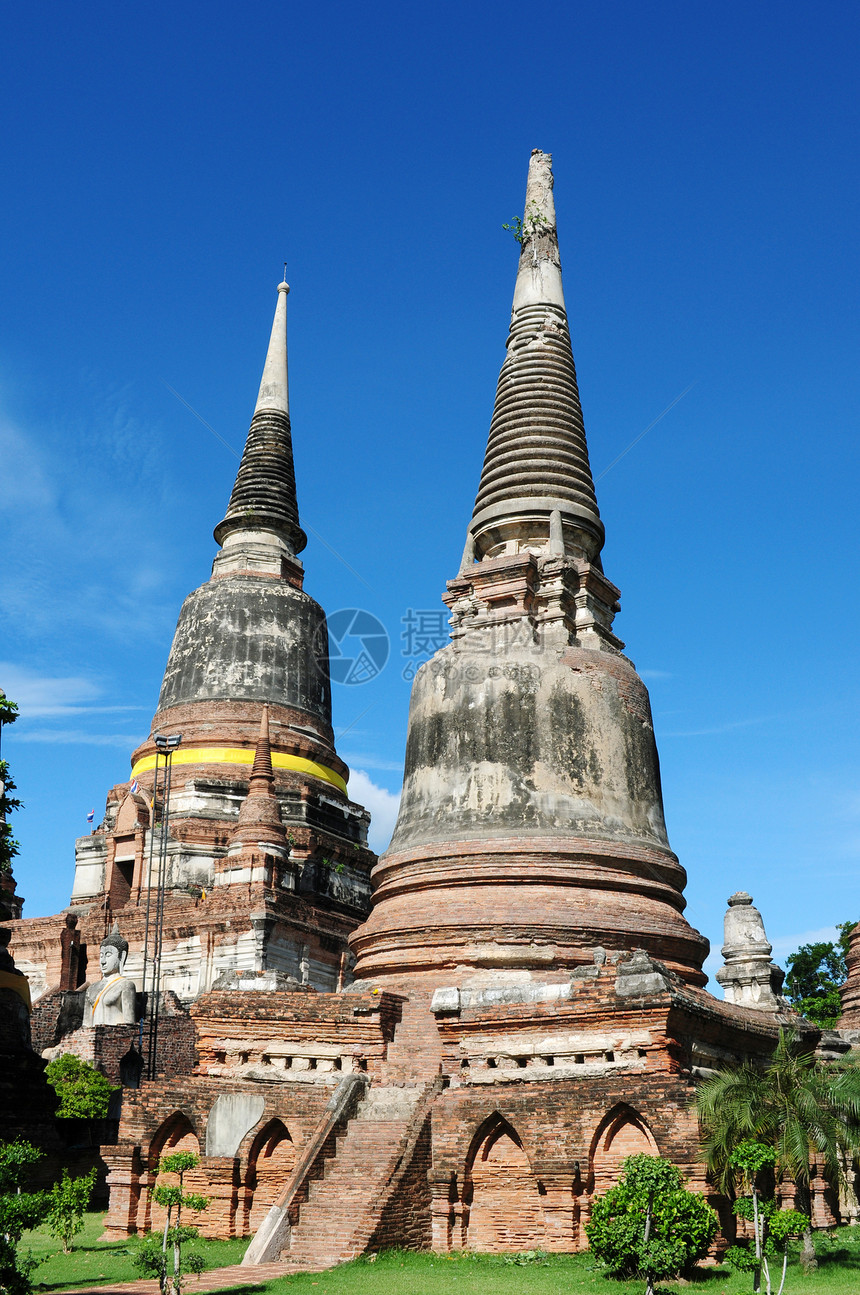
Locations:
(535, 223)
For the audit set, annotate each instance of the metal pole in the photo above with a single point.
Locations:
(153, 808)
(167, 746)
(159, 922)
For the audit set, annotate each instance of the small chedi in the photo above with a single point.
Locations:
(467, 1062)
(748, 976)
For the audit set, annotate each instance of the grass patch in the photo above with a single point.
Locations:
(396, 1272)
(404, 1273)
(94, 1262)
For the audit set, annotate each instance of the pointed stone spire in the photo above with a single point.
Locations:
(531, 825)
(274, 386)
(260, 822)
(536, 462)
(264, 496)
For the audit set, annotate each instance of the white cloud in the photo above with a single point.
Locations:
(655, 674)
(783, 945)
(372, 762)
(38, 695)
(74, 736)
(24, 482)
(718, 729)
(383, 806)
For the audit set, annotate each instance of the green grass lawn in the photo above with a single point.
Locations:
(398, 1273)
(93, 1262)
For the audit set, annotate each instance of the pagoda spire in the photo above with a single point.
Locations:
(536, 490)
(530, 827)
(263, 501)
(274, 386)
(260, 822)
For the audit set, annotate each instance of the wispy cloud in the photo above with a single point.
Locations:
(783, 945)
(383, 806)
(655, 674)
(66, 566)
(75, 736)
(729, 727)
(41, 696)
(372, 762)
(46, 697)
(25, 481)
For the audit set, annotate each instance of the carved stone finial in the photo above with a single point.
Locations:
(748, 976)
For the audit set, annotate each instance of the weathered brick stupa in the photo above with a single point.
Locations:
(529, 1005)
(274, 879)
(531, 824)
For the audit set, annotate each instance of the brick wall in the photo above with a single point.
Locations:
(172, 1114)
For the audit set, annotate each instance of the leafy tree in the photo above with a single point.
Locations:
(815, 973)
(84, 1092)
(8, 845)
(804, 1111)
(152, 1258)
(649, 1225)
(750, 1158)
(773, 1230)
(19, 1211)
(70, 1198)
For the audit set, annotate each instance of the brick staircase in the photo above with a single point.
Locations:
(415, 1052)
(344, 1206)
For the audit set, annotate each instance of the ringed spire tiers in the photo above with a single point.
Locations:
(536, 477)
(262, 858)
(530, 828)
(264, 495)
(251, 636)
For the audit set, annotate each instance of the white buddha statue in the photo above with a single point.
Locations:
(111, 1000)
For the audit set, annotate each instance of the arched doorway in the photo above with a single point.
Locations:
(175, 1134)
(502, 1197)
(270, 1163)
(622, 1133)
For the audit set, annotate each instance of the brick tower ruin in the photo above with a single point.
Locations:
(531, 824)
(271, 874)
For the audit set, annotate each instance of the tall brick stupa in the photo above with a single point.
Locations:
(531, 824)
(271, 880)
(527, 1007)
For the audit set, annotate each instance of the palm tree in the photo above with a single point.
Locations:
(808, 1111)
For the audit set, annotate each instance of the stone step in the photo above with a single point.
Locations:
(342, 1208)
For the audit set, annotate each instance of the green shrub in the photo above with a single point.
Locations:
(19, 1211)
(650, 1226)
(70, 1199)
(84, 1093)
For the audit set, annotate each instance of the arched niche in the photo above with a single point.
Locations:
(271, 1160)
(621, 1133)
(174, 1135)
(502, 1197)
(133, 813)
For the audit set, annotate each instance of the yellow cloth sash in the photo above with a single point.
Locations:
(243, 755)
(103, 990)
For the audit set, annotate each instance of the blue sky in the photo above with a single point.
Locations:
(160, 164)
